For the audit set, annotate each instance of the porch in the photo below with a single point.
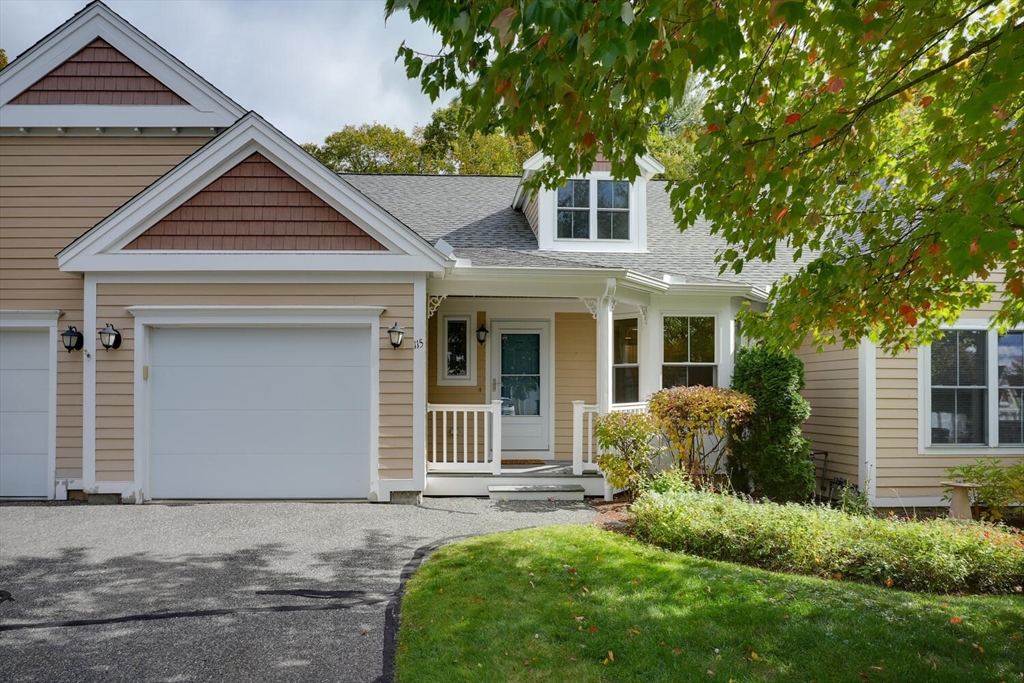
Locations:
(465, 456)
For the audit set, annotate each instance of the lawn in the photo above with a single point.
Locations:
(580, 604)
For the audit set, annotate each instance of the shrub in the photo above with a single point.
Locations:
(671, 481)
(999, 487)
(939, 556)
(769, 454)
(696, 420)
(626, 440)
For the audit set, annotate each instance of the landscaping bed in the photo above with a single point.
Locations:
(581, 604)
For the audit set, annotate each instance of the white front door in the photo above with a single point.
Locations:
(520, 367)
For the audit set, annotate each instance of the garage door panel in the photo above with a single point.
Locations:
(258, 431)
(252, 388)
(306, 476)
(23, 475)
(25, 349)
(23, 433)
(24, 390)
(248, 347)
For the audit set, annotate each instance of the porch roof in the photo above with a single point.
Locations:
(474, 215)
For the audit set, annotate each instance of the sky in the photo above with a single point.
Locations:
(309, 67)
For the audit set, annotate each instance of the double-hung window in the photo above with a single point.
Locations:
(456, 362)
(976, 389)
(626, 362)
(689, 345)
(593, 209)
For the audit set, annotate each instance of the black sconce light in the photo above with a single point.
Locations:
(110, 338)
(397, 334)
(72, 339)
(481, 334)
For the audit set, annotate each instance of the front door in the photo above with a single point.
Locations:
(519, 375)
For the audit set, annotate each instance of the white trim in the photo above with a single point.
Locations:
(89, 383)
(206, 106)
(100, 249)
(443, 379)
(910, 501)
(45, 320)
(420, 358)
(867, 421)
(147, 317)
(245, 277)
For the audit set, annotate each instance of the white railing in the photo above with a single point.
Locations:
(584, 444)
(464, 438)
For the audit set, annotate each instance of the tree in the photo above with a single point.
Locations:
(452, 146)
(876, 139)
(3, 58)
(369, 148)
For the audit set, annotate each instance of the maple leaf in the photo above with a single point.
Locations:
(543, 41)
(763, 98)
(814, 141)
(926, 100)
(793, 118)
(503, 22)
(835, 84)
(909, 314)
(956, 620)
(611, 655)
(713, 127)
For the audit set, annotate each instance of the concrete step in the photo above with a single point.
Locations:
(537, 492)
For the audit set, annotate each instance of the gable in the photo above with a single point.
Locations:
(255, 206)
(99, 74)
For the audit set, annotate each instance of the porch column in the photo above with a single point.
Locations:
(605, 344)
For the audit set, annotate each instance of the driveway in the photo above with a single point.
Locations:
(222, 592)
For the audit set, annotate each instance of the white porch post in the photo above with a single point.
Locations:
(496, 436)
(577, 437)
(605, 343)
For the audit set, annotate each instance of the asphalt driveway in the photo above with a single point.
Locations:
(221, 592)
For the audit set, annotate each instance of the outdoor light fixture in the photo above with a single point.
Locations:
(110, 338)
(72, 339)
(397, 334)
(481, 334)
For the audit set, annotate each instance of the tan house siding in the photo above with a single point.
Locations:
(575, 373)
(832, 391)
(51, 191)
(255, 206)
(531, 212)
(115, 374)
(99, 74)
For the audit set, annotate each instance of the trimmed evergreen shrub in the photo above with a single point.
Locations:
(768, 452)
(937, 556)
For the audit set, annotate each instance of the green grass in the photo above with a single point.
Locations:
(555, 604)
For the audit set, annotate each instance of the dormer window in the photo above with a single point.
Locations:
(593, 209)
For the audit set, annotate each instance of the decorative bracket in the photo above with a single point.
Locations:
(591, 305)
(643, 315)
(432, 304)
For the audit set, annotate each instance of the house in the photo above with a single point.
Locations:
(241, 322)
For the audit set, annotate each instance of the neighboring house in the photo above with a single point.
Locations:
(254, 290)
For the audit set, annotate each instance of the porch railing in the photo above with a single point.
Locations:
(464, 438)
(584, 444)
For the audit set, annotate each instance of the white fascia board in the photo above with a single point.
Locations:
(498, 281)
(12, 318)
(34, 116)
(138, 261)
(98, 21)
(251, 134)
(722, 289)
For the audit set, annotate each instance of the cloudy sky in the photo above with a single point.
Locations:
(307, 66)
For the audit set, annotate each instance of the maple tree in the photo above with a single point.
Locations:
(876, 143)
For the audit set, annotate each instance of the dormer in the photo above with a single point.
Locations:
(595, 212)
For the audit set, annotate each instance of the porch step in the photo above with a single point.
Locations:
(537, 492)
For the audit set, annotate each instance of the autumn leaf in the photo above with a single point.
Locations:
(975, 247)
(778, 217)
(503, 22)
(755, 656)
(502, 87)
(814, 141)
(889, 583)
(926, 100)
(593, 629)
(589, 140)
(713, 127)
(634, 631)
(793, 118)
(956, 620)
(909, 314)
(543, 41)
(611, 655)
(763, 98)
(657, 49)
(835, 84)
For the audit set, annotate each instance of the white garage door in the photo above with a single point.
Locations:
(24, 413)
(259, 413)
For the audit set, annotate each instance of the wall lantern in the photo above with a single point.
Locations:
(72, 339)
(397, 334)
(481, 334)
(110, 338)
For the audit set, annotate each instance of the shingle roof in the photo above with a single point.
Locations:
(474, 215)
